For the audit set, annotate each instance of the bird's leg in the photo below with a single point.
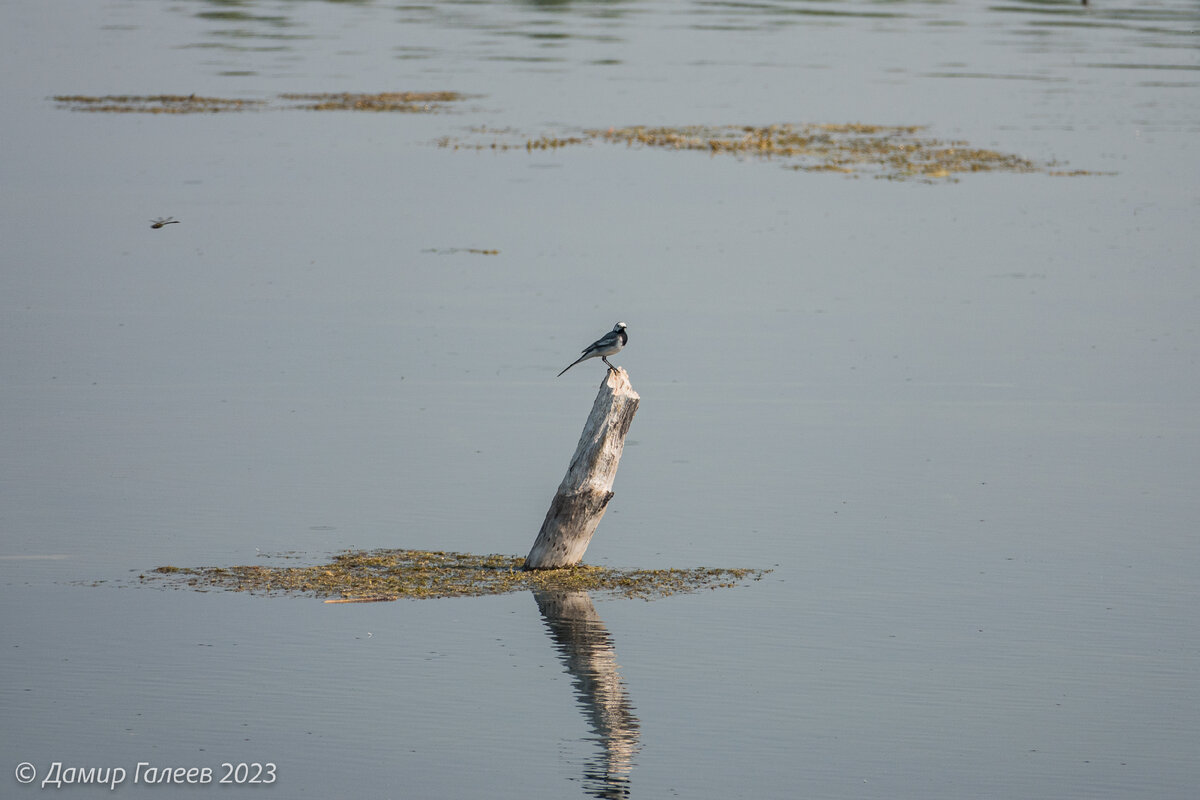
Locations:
(610, 366)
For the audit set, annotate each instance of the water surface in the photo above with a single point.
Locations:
(958, 420)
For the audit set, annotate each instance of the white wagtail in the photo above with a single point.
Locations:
(607, 345)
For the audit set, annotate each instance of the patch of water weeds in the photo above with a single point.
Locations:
(418, 102)
(155, 104)
(382, 575)
(894, 152)
(406, 102)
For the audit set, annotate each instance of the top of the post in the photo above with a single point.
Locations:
(617, 381)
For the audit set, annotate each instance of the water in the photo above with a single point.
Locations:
(957, 420)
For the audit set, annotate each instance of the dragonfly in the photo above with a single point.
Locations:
(158, 223)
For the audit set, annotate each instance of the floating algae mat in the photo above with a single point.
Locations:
(388, 101)
(155, 104)
(380, 575)
(410, 102)
(895, 152)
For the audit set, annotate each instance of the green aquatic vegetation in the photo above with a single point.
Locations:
(886, 151)
(410, 102)
(893, 152)
(155, 104)
(446, 251)
(382, 575)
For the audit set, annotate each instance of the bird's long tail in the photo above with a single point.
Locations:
(583, 357)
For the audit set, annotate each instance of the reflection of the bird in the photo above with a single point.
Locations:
(587, 651)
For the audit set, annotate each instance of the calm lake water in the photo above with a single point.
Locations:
(959, 420)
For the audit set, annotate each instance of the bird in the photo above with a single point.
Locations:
(158, 223)
(607, 345)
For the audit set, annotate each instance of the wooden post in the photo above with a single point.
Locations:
(587, 487)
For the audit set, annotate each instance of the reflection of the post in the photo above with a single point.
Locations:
(586, 649)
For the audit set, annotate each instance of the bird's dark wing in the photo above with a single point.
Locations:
(607, 340)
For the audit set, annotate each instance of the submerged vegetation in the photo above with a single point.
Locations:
(386, 101)
(891, 151)
(411, 102)
(895, 152)
(154, 104)
(381, 575)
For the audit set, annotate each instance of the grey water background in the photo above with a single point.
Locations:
(959, 421)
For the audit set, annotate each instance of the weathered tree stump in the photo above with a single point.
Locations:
(587, 487)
